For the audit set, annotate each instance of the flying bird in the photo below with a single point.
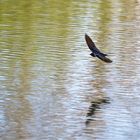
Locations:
(95, 51)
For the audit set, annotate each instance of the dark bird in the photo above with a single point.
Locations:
(95, 51)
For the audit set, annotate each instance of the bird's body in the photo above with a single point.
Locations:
(95, 51)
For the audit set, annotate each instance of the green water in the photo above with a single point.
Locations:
(49, 84)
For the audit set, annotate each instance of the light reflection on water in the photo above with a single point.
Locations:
(51, 88)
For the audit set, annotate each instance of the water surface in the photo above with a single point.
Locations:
(51, 88)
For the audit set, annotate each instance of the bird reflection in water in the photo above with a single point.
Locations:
(95, 105)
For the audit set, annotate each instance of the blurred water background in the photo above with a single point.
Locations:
(51, 88)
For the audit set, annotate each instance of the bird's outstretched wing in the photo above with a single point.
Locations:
(104, 58)
(91, 44)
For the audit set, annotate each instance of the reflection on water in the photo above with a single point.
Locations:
(95, 105)
(51, 88)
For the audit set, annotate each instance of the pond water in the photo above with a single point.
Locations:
(51, 88)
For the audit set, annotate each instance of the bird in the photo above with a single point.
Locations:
(95, 51)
